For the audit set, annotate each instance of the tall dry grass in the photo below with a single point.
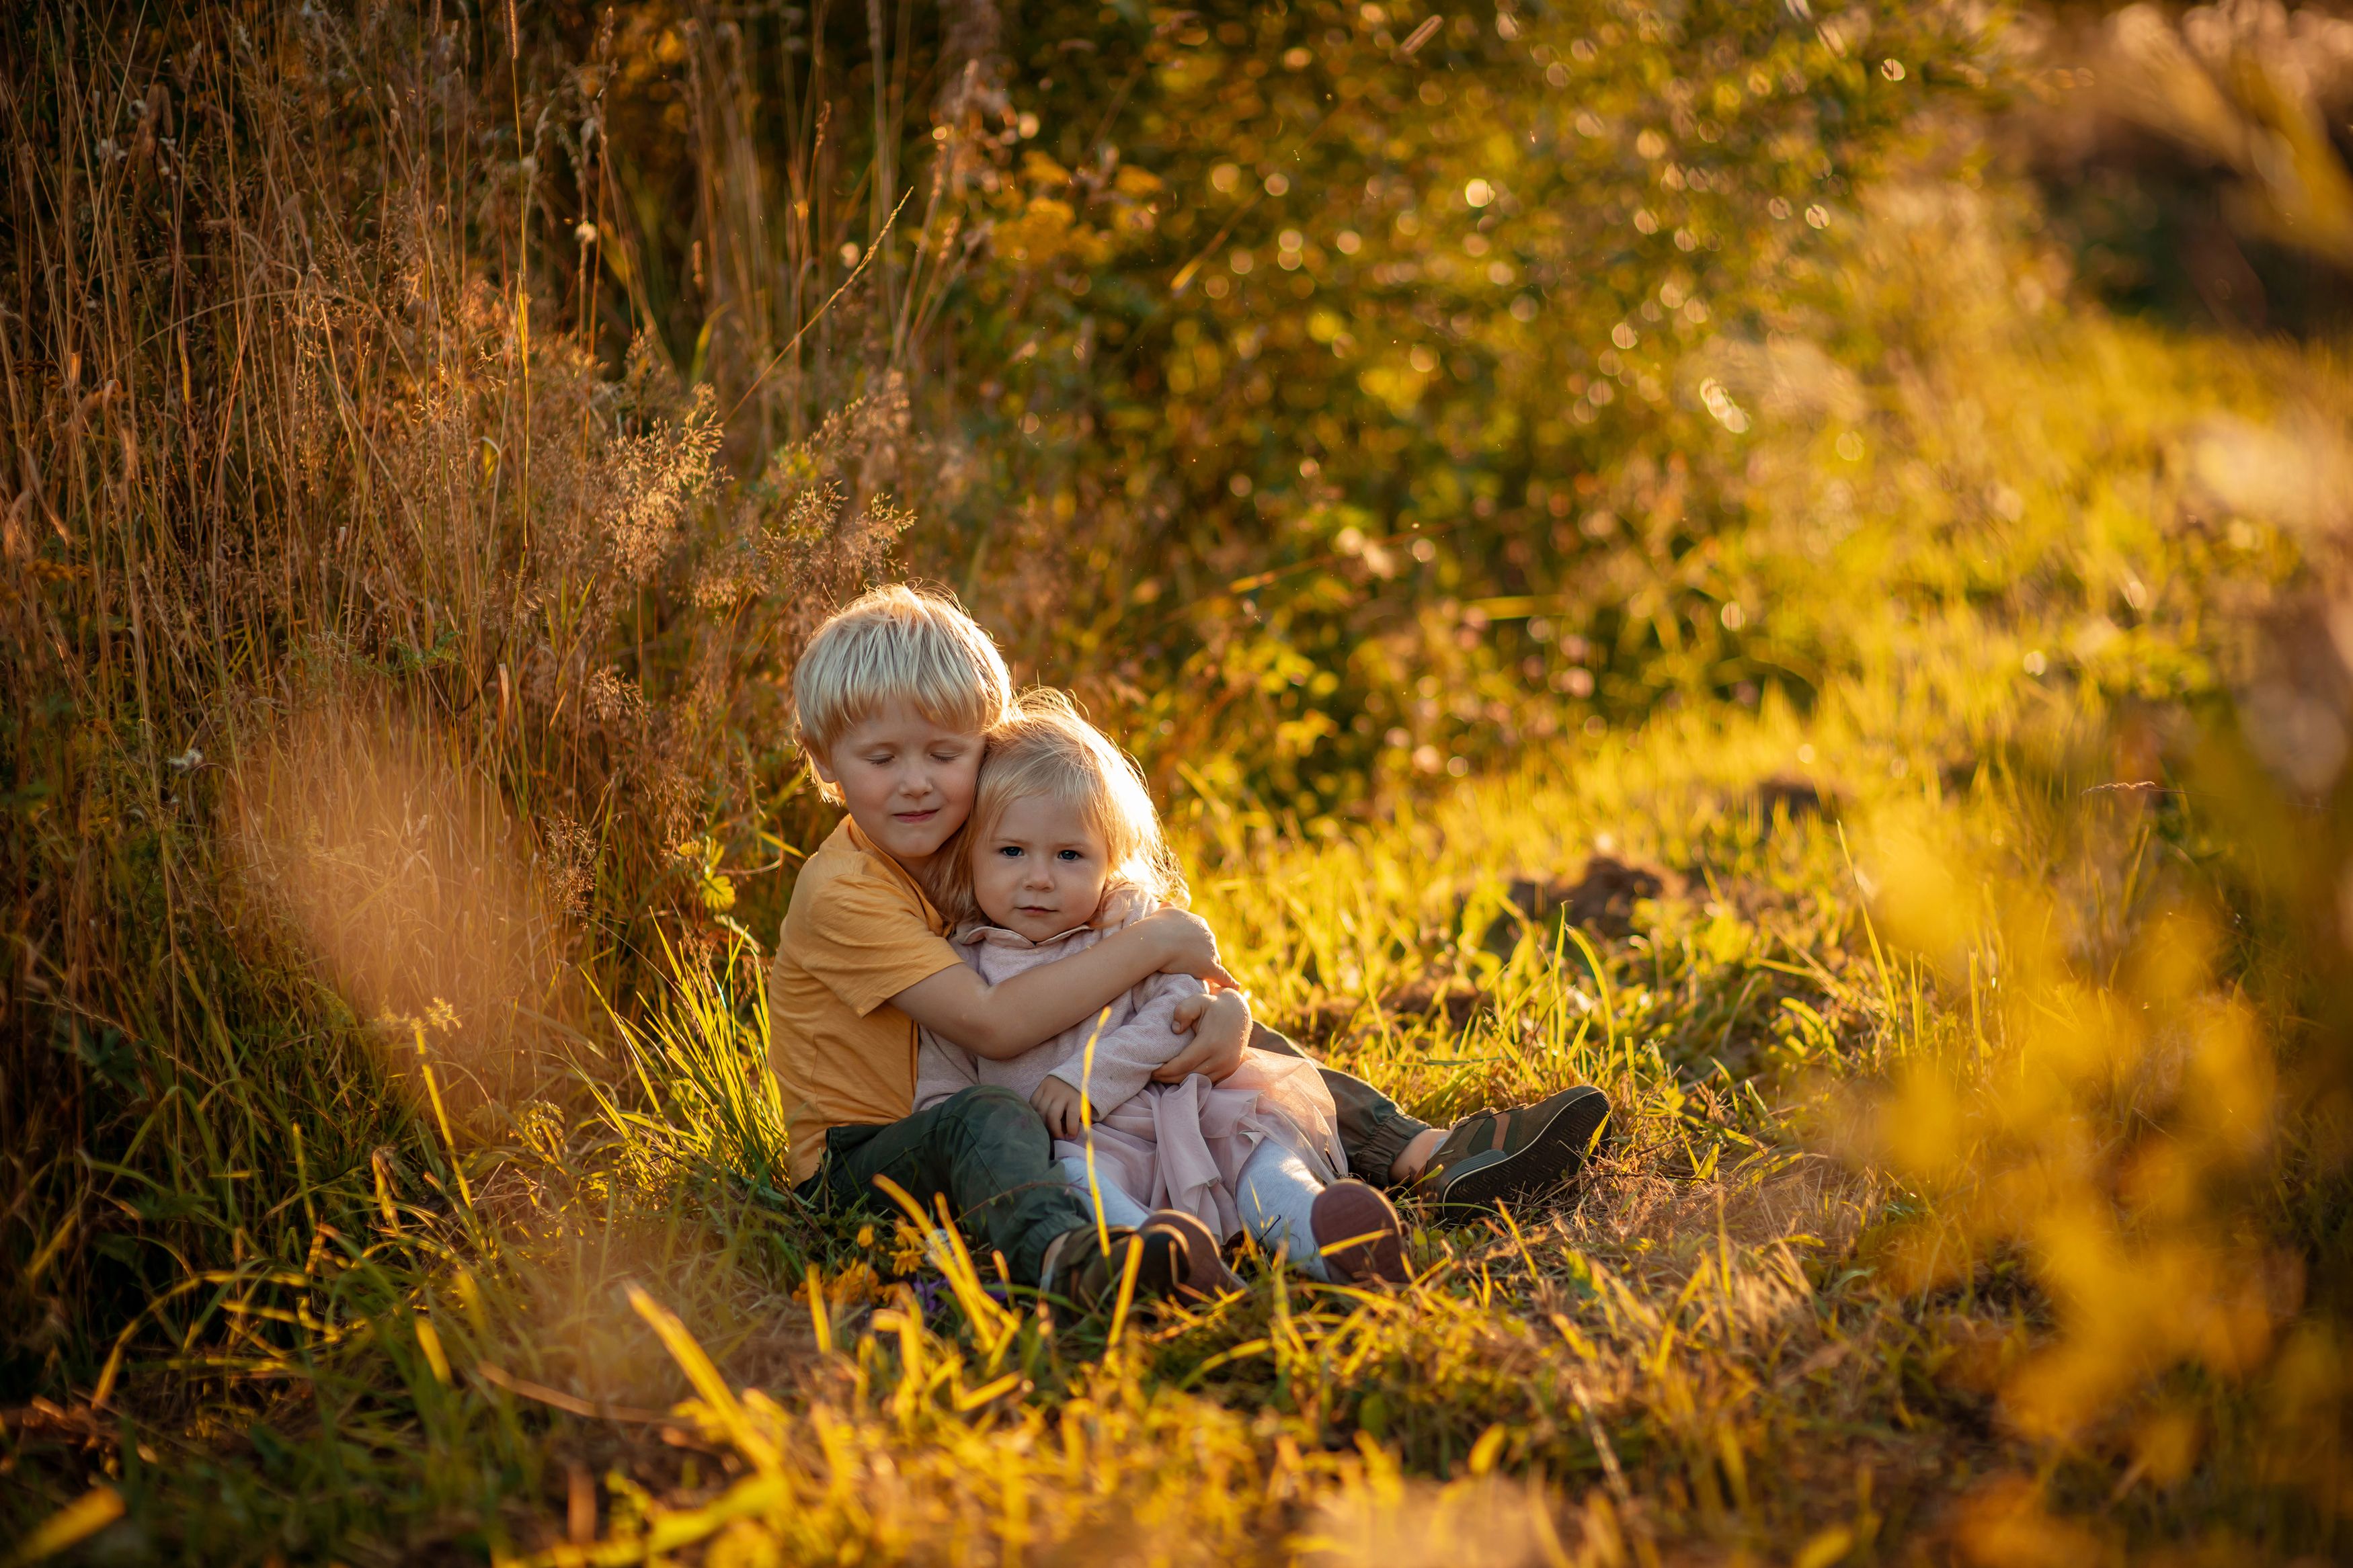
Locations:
(383, 633)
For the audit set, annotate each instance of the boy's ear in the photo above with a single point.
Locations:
(827, 786)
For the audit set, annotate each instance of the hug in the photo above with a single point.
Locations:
(988, 989)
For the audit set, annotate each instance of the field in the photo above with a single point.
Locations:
(1810, 590)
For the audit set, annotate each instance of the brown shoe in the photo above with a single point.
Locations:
(1201, 1270)
(1357, 1232)
(1079, 1270)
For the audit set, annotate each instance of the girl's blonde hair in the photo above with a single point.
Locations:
(1046, 749)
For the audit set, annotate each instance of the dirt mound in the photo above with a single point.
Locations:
(1601, 899)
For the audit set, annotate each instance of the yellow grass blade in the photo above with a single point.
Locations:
(71, 1525)
(717, 1398)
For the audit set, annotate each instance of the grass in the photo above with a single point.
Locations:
(1727, 1339)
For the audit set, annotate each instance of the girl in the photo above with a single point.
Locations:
(1063, 848)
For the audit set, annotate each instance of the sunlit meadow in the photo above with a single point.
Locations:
(1790, 563)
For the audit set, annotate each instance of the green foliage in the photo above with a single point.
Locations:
(1358, 367)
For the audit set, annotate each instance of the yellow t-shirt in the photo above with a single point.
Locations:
(858, 933)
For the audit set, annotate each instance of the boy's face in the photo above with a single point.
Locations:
(1040, 871)
(907, 781)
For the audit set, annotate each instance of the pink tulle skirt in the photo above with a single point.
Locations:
(1183, 1145)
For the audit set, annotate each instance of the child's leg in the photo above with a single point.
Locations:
(1277, 1194)
(1118, 1208)
(1373, 1130)
(1514, 1151)
(989, 1153)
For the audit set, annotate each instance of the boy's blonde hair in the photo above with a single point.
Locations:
(1045, 748)
(902, 644)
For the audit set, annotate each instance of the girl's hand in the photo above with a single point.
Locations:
(1220, 1022)
(1188, 945)
(1063, 1108)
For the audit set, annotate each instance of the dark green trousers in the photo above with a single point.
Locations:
(1373, 1130)
(989, 1153)
(987, 1149)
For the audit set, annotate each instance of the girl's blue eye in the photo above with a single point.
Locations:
(1009, 850)
(1071, 855)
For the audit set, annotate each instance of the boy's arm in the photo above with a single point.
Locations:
(1006, 1019)
(1124, 1058)
(1216, 1048)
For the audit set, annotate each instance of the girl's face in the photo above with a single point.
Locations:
(1041, 870)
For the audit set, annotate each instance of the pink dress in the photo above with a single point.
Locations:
(1179, 1145)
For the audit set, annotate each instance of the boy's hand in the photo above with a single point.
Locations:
(1188, 945)
(1062, 1107)
(1222, 1026)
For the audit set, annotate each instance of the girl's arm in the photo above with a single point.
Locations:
(1006, 1019)
(1124, 1058)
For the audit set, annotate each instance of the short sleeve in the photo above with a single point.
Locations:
(866, 941)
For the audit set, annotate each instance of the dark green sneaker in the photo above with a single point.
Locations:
(1081, 1271)
(1515, 1153)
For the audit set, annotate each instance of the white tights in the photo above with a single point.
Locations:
(1276, 1194)
(1118, 1208)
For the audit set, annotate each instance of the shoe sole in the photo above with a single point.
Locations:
(1203, 1272)
(1367, 1223)
(1555, 1153)
(1162, 1269)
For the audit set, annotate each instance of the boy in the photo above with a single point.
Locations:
(891, 700)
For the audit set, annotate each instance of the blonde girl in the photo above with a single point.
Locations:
(1063, 848)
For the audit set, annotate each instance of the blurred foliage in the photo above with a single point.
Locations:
(1283, 367)
(1420, 368)
(1343, 393)
(2196, 160)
